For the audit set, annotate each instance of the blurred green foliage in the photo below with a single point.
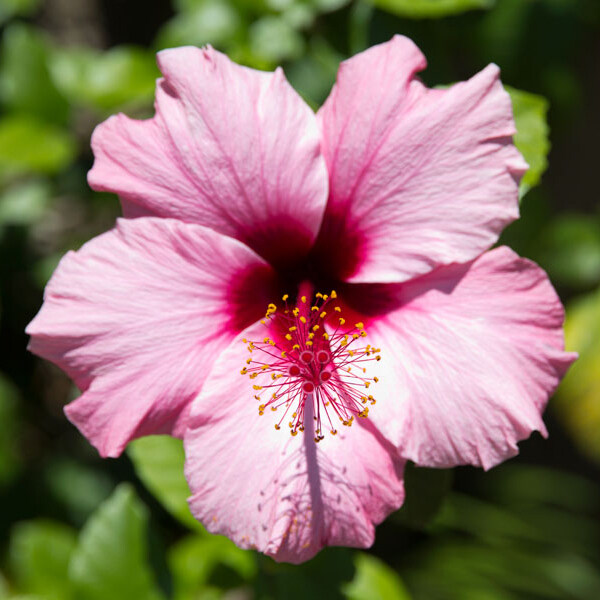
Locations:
(70, 530)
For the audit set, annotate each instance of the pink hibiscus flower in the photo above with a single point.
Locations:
(239, 201)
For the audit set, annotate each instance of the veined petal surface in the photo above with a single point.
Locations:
(418, 178)
(136, 318)
(230, 148)
(470, 356)
(285, 496)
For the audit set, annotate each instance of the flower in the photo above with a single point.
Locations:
(335, 261)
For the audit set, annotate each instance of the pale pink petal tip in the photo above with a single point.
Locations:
(285, 496)
(230, 148)
(470, 358)
(135, 318)
(420, 177)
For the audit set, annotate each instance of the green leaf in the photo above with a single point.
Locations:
(417, 9)
(25, 82)
(569, 249)
(215, 22)
(274, 40)
(124, 76)
(110, 560)
(197, 559)
(78, 487)
(39, 555)
(577, 399)
(24, 203)
(530, 112)
(31, 146)
(426, 490)
(16, 8)
(158, 462)
(374, 580)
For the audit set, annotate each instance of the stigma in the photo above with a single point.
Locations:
(311, 354)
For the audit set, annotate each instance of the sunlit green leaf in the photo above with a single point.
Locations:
(530, 112)
(569, 249)
(39, 555)
(25, 83)
(578, 398)
(123, 76)
(273, 39)
(24, 203)
(158, 462)
(31, 146)
(15, 8)
(215, 22)
(110, 560)
(431, 8)
(374, 580)
(196, 559)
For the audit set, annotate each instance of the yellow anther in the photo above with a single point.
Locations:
(248, 361)
(378, 357)
(264, 367)
(292, 328)
(294, 432)
(355, 336)
(359, 325)
(257, 387)
(367, 384)
(363, 333)
(333, 432)
(277, 427)
(283, 354)
(350, 352)
(273, 408)
(253, 375)
(314, 308)
(325, 336)
(319, 295)
(266, 340)
(244, 340)
(295, 347)
(285, 297)
(271, 307)
(342, 320)
(323, 315)
(311, 336)
(288, 337)
(303, 319)
(325, 298)
(315, 327)
(303, 299)
(263, 321)
(309, 342)
(375, 379)
(337, 309)
(243, 371)
(261, 407)
(296, 312)
(333, 294)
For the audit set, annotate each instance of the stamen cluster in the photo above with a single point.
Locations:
(300, 362)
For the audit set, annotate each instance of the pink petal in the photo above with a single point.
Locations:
(230, 148)
(469, 358)
(136, 318)
(418, 178)
(285, 496)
